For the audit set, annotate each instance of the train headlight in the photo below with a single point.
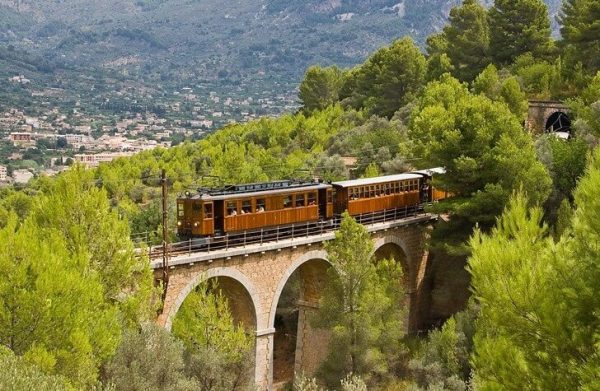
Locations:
(179, 223)
(196, 224)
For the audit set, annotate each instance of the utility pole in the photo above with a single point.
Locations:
(165, 232)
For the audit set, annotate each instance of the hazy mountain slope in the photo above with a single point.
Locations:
(204, 37)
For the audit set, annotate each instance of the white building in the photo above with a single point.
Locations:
(22, 176)
(96, 159)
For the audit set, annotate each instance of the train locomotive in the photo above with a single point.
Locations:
(257, 206)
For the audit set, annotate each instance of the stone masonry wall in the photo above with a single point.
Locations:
(264, 274)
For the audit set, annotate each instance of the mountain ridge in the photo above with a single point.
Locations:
(156, 36)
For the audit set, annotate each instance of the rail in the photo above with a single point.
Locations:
(275, 234)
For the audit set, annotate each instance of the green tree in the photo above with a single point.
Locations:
(468, 39)
(438, 61)
(17, 375)
(371, 171)
(74, 205)
(486, 153)
(218, 350)
(518, 27)
(563, 218)
(320, 87)
(52, 309)
(514, 97)
(579, 19)
(586, 109)
(148, 359)
(536, 328)
(362, 305)
(388, 80)
(488, 82)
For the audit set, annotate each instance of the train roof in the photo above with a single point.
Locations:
(258, 189)
(431, 171)
(377, 180)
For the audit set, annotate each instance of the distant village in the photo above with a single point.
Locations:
(52, 139)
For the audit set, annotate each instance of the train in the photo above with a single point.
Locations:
(256, 206)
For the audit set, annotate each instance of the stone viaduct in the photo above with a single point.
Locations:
(253, 279)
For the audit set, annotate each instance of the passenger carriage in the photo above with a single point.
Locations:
(253, 206)
(368, 195)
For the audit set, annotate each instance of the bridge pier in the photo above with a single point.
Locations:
(263, 374)
(257, 275)
(310, 341)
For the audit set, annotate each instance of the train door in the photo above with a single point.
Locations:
(219, 213)
(208, 219)
(196, 220)
(323, 203)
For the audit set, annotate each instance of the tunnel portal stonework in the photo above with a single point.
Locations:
(258, 274)
(540, 111)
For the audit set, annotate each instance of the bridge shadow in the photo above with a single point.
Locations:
(394, 251)
(298, 347)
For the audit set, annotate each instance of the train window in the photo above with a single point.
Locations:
(180, 211)
(260, 205)
(231, 208)
(388, 188)
(415, 185)
(329, 196)
(371, 191)
(299, 200)
(377, 190)
(246, 206)
(287, 201)
(312, 199)
(208, 211)
(354, 193)
(197, 207)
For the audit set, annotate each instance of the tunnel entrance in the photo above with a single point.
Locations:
(559, 123)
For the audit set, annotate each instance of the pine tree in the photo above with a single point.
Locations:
(362, 305)
(484, 149)
(388, 80)
(518, 27)
(81, 211)
(468, 39)
(580, 21)
(538, 321)
(218, 350)
(52, 308)
(320, 87)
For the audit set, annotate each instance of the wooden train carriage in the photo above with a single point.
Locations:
(376, 194)
(245, 210)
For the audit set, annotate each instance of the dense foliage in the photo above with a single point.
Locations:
(75, 293)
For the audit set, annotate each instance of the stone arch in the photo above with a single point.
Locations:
(390, 241)
(297, 346)
(311, 255)
(395, 246)
(219, 272)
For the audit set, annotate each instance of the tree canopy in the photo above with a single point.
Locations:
(468, 39)
(483, 147)
(518, 27)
